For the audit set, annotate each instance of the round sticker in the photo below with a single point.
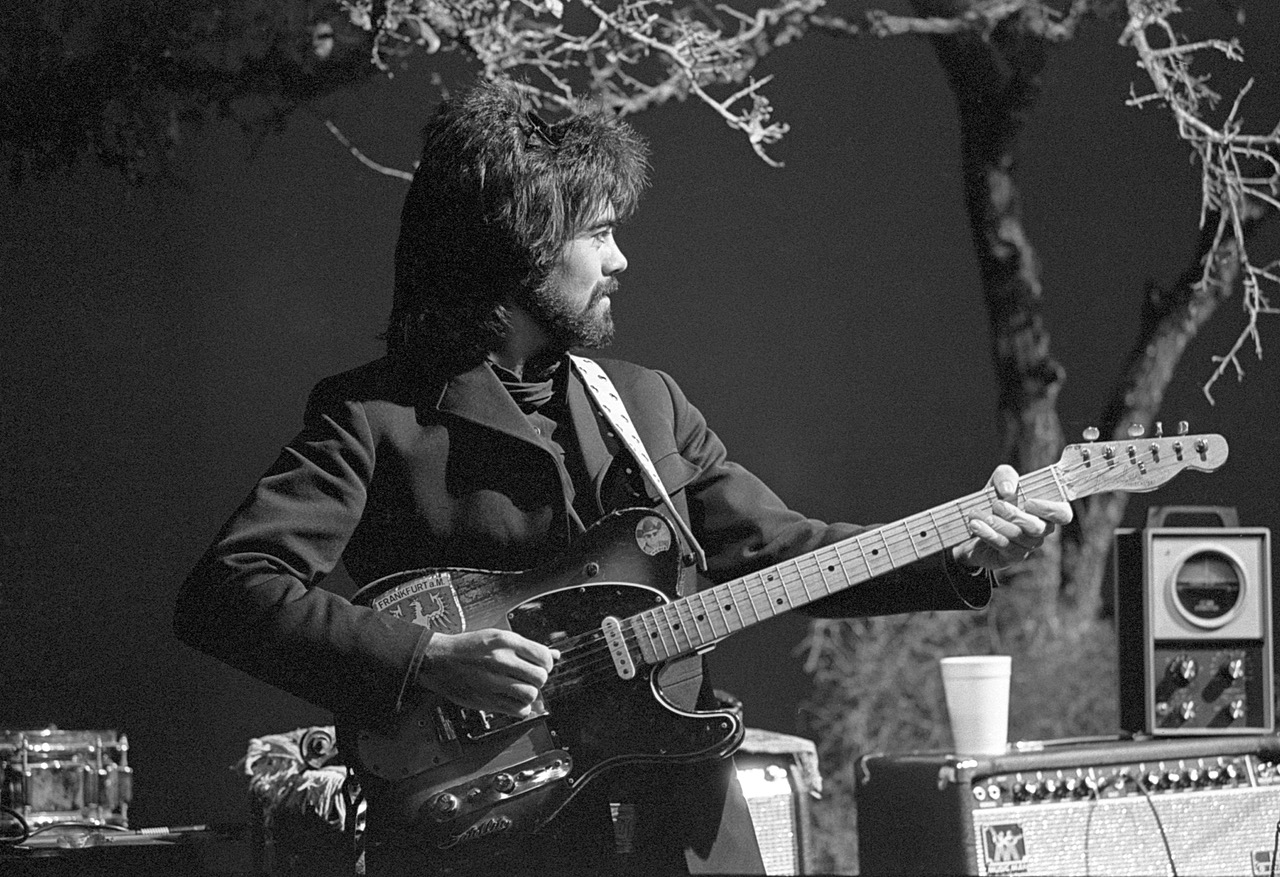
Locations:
(653, 535)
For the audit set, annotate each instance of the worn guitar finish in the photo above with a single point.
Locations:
(466, 782)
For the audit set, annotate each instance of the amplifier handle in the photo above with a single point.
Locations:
(1228, 516)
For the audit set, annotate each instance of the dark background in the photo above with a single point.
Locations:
(157, 344)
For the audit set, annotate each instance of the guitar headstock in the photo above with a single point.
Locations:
(1136, 465)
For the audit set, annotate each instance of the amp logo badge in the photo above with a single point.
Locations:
(1005, 847)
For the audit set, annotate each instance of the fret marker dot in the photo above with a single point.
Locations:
(779, 601)
(831, 568)
(875, 551)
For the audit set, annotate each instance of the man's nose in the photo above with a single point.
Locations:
(614, 261)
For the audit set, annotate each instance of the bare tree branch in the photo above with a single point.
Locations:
(1240, 172)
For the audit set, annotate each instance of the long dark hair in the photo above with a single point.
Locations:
(496, 197)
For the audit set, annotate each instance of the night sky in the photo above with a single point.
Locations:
(157, 345)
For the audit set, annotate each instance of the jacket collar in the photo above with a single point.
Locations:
(477, 396)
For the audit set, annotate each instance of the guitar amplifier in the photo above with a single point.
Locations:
(779, 775)
(1204, 806)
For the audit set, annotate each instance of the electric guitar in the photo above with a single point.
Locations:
(460, 779)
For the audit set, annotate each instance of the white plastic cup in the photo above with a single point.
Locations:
(977, 692)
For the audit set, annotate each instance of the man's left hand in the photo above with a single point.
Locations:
(1009, 533)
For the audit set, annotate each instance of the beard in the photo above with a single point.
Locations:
(567, 327)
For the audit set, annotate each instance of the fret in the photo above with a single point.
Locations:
(784, 589)
(862, 553)
(732, 611)
(677, 628)
(696, 619)
(708, 615)
(937, 530)
(826, 565)
(653, 636)
(808, 597)
(751, 601)
(647, 651)
(770, 581)
(911, 539)
(888, 552)
(664, 631)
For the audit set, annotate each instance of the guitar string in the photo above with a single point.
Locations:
(598, 662)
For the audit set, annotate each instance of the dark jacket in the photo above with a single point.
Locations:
(397, 468)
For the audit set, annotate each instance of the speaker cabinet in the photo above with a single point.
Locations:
(1194, 630)
(779, 775)
(1204, 806)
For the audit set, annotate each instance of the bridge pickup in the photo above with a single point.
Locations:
(622, 662)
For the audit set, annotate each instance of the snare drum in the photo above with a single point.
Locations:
(66, 776)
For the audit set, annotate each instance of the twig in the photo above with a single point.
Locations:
(364, 159)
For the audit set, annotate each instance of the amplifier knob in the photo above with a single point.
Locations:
(1153, 780)
(1195, 777)
(1183, 669)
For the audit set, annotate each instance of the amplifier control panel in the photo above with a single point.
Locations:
(1180, 775)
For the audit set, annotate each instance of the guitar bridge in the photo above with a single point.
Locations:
(473, 725)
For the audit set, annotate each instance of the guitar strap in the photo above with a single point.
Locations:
(603, 393)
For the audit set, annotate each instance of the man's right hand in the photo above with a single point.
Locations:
(490, 669)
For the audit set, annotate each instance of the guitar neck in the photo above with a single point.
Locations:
(698, 621)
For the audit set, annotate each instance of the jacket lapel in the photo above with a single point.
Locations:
(479, 397)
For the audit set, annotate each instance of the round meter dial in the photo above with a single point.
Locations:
(1207, 588)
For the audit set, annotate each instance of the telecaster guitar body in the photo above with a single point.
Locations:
(454, 776)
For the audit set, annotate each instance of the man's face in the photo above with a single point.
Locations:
(572, 305)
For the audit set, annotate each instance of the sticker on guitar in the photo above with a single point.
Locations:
(442, 610)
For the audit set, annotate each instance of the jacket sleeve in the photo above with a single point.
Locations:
(252, 600)
(744, 526)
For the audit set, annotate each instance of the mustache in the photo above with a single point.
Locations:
(608, 286)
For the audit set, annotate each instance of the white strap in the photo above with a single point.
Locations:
(602, 391)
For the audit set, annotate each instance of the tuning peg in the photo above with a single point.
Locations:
(1136, 430)
(1183, 427)
(1091, 434)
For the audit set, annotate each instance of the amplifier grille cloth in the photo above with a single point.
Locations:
(1212, 832)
